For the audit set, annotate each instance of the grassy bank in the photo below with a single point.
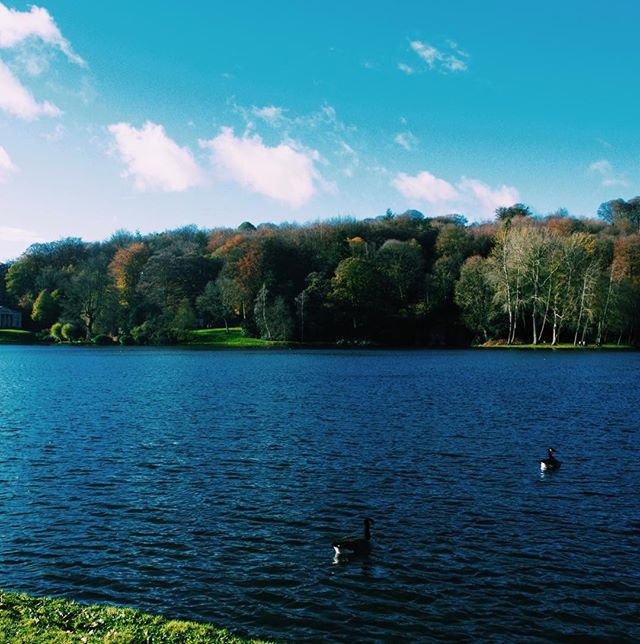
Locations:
(34, 620)
(234, 338)
(16, 336)
(561, 346)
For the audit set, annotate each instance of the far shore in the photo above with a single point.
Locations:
(234, 338)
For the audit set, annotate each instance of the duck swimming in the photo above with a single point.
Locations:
(354, 547)
(551, 463)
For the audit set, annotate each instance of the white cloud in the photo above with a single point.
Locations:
(453, 61)
(6, 165)
(604, 170)
(37, 23)
(325, 117)
(345, 148)
(345, 151)
(285, 172)
(407, 69)
(17, 100)
(270, 113)
(486, 197)
(56, 134)
(428, 53)
(33, 35)
(424, 187)
(601, 167)
(155, 161)
(34, 63)
(406, 139)
(471, 196)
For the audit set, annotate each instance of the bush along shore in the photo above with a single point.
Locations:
(28, 619)
(233, 337)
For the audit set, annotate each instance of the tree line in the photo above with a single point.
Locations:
(402, 279)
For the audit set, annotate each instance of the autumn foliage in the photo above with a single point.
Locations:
(395, 279)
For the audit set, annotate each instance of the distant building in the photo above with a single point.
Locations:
(10, 319)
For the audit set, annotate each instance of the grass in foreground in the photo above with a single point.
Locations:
(16, 336)
(220, 338)
(32, 620)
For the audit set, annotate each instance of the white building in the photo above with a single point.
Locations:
(10, 319)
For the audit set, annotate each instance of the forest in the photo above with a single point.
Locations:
(397, 279)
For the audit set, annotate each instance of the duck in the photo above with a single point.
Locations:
(551, 463)
(354, 547)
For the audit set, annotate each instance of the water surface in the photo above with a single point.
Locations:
(209, 485)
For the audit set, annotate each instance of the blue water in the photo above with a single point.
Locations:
(210, 484)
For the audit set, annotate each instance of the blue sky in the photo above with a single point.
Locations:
(151, 115)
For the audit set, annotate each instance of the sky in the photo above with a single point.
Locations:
(154, 115)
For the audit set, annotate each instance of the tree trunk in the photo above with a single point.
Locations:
(514, 327)
(603, 319)
(581, 311)
(546, 313)
(263, 296)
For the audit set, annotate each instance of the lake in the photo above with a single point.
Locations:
(209, 485)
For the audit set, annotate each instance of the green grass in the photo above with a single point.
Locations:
(43, 620)
(220, 338)
(16, 336)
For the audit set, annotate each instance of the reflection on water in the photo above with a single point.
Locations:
(211, 485)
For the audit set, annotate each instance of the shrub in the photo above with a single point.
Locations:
(44, 336)
(71, 332)
(142, 333)
(56, 331)
(102, 339)
(45, 309)
(249, 329)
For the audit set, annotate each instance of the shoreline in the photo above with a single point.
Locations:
(220, 339)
